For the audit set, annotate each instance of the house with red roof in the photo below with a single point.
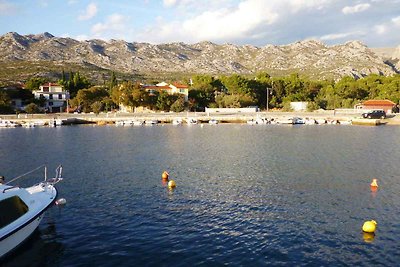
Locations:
(173, 88)
(373, 104)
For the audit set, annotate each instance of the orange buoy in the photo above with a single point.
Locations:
(165, 175)
(374, 183)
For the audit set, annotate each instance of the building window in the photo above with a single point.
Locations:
(45, 88)
(59, 96)
(50, 103)
(50, 96)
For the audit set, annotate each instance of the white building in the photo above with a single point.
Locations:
(298, 106)
(55, 95)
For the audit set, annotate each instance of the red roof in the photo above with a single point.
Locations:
(378, 103)
(51, 84)
(179, 85)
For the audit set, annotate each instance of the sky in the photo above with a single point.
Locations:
(376, 23)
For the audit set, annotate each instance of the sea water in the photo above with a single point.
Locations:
(261, 195)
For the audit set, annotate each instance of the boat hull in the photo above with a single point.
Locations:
(17, 238)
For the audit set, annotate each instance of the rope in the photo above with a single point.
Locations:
(25, 174)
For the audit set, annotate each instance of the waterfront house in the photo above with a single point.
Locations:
(56, 98)
(385, 105)
(170, 88)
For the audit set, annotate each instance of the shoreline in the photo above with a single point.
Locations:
(202, 117)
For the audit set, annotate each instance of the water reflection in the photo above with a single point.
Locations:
(368, 237)
(43, 248)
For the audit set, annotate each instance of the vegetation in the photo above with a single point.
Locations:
(220, 91)
(32, 108)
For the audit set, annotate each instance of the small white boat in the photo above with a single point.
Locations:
(309, 121)
(39, 123)
(137, 123)
(28, 125)
(55, 122)
(213, 121)
(22, 209)
(177, 122)
(251, 122)
(284, 121)
(191, 121)
(7, 123)
(120, 123)
(297, 120)
(349, 122)
(151, 122)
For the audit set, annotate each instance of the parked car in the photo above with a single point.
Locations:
(374, 114)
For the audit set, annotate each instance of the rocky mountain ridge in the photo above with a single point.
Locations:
(310, 57)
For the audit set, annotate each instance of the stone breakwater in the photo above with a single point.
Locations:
(201, 117)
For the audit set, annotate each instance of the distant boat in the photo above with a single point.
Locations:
(213, 122)
(55, 122)
(22, 210)
(7, 123)
(151, 122)
(251, 122)
(284, 121)
(177, 122)
(191, 121)
(297, 120)
(348, 122)
(137, 123)
(119, 123)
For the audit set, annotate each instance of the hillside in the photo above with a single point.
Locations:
(46, 55)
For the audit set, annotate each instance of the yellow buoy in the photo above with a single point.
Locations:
(369, 226)
(165, 175)
(171, 184)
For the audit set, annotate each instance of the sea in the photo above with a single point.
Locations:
(262, 195)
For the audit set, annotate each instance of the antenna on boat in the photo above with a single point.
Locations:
(45, 173)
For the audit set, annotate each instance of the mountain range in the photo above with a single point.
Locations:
(310, 57)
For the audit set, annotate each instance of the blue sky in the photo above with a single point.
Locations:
(256, 22)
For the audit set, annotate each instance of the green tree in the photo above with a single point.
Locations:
(32, 108)
(97, 107)
(165, 101)
(179, 104)
(5, 103)
(86, 97)
(34, 83)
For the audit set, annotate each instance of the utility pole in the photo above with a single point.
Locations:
(267, 97)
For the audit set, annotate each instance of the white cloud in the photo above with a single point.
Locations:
(6, 8)
(396, 21)
(115, 25)
(355, 9)
(169, 3)
(339, 36)
(380, 29)
(90, 12)
(226, 21)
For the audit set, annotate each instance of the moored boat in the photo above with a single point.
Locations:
(22, 209)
